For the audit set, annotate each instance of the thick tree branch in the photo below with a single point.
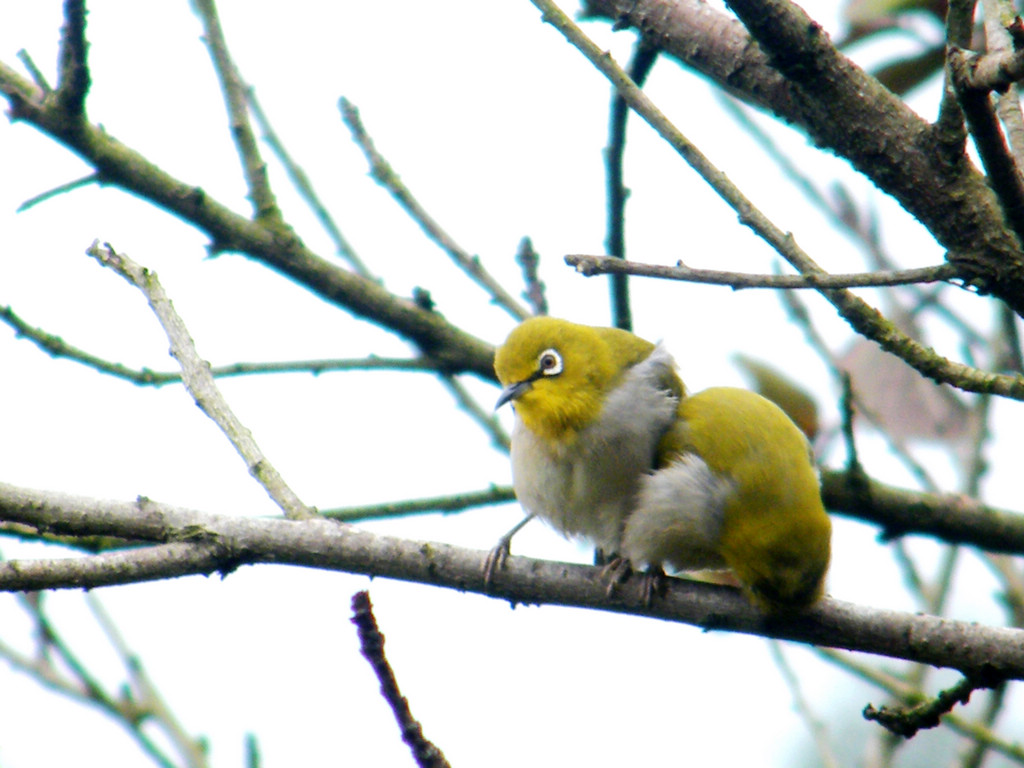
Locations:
(794, 71)
(222, 543)
(861, 316)
(952, 518)
(73, 78)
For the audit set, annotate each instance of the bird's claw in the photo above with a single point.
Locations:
(497, 557)
(619, 569)
(495, 560)
(615, 572)
(655, 583)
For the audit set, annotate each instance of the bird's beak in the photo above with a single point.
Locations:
(512, 391)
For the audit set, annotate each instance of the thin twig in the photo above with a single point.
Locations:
(1000, 14)
(92, 178)
(907, 722)
(90, 691)
(641, 63)
(600, 265)
(199, 382)
(798, 312)
(1003, 174)
(803, 708)
(147, 696)
(57, 347)
(385, 175)
(485, 418)
(975, 756)
(897, 687)
(253, 758)
(371, 644)
(529, 262)
(300, 180)
(444, 504)
(262, 197)
(34, 72)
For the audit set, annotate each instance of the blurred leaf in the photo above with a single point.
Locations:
(909, 406)
(903, 75)
(783, 391)
(874, 14)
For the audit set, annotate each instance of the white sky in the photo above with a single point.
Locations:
(497, 125)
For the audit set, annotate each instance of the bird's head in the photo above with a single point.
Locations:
(557, 373)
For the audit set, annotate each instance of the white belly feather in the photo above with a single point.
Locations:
(586, 487)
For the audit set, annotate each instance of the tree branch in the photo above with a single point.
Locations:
(73, 70)
(199, 383)
(602, 265)
(385, 175)
(452, 348)
(984, 127)
(794, 71)
(371, 644)
(300, 180)
(264, 203)
(56, 346)
(861, 316)
(221, 543)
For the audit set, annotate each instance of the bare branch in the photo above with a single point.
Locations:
(36, 74)
(603, 265)
(988, 137)
(199, 382)
(70, 186)
(386, 176)
(146, 695)
(81, 685)
(994, 71)
(817, 728)
(222, 543)
(57, 347)
(300, 180)
(451, 347)
(862, 317)
(907, 722)
(789, 65)
(371, 644)
(898, 687)
(641, 62)
(529, 262)
(455, 503)
(264, 203)
(73, 70)
(953, 518)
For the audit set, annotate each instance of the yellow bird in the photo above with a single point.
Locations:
(608, 447)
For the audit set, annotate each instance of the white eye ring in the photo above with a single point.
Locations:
(549, 363)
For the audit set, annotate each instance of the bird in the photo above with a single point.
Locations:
(609, 447)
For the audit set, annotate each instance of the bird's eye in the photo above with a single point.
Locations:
(549, 363)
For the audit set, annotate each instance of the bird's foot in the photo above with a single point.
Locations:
(655, 583)
(619, 569)
(497, 557)
(615, 573)
(495, 560)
